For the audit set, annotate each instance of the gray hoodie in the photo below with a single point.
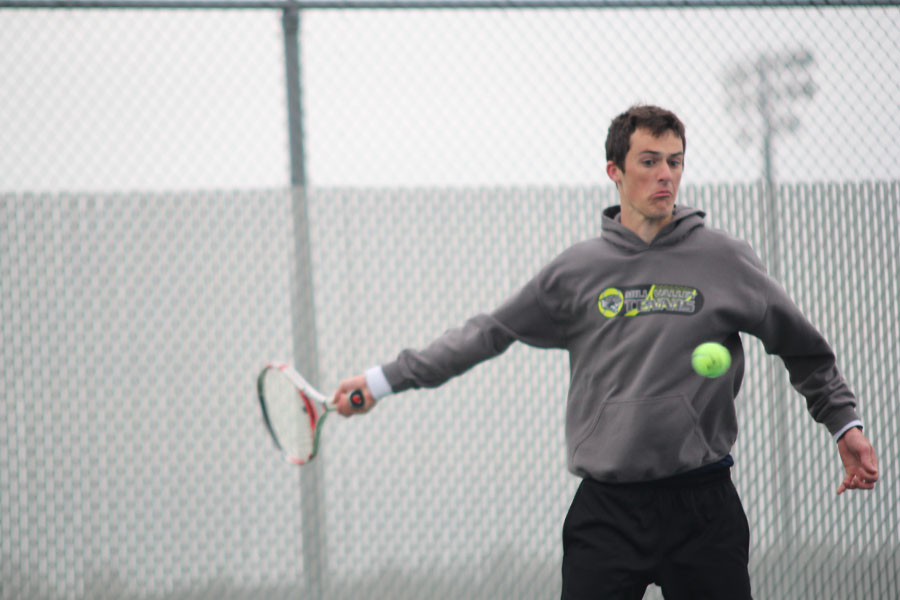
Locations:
(629, 314)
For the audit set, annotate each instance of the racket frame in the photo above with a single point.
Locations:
(316, 405)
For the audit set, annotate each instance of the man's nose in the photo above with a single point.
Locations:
(665, 172)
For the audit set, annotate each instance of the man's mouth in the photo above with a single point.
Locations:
(662, 194)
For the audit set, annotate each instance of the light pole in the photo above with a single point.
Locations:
(762, 94)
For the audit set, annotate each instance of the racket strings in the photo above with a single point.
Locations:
(292, 416)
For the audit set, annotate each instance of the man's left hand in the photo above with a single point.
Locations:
(859, 460)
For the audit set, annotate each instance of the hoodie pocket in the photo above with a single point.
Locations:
(642, 439)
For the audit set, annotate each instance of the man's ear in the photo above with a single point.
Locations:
(612, 169)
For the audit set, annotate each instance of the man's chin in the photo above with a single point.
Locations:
(664, 210)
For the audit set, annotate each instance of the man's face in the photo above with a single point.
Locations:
(649, 183)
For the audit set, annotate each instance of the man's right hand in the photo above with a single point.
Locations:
(341, 397)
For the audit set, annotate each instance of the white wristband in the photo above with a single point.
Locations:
(378, 383)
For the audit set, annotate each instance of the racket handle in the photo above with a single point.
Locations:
(357, 400)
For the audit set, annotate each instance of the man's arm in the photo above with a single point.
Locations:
(812, 365)
(522, 317)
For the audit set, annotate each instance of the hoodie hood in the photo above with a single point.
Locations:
(684, 221)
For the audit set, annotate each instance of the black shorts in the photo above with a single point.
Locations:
(687, 535)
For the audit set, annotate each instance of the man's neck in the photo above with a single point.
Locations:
(646, 229)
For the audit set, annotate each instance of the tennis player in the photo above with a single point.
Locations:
(650, 438)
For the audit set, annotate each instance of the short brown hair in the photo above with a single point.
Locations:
(657, 120)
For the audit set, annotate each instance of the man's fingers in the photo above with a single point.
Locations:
(868, 471)
(345, 407)
(845, 485)
(871, 467)
(857, 482)
(344, 404)
(341, 398)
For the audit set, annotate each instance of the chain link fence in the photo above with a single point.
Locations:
(135, 465)
(448, 154)
(168, 99)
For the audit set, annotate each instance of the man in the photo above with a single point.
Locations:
(650, 438)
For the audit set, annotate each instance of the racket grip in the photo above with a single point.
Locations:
(357, 400)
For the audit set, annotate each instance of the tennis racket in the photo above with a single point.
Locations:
(294, 411)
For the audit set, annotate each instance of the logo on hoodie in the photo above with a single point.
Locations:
(651, 298)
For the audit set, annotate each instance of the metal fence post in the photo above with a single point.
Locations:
(312, 492)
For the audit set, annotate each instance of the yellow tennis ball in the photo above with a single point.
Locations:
(711, 359)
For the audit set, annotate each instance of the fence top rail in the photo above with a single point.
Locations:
(436, 4)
